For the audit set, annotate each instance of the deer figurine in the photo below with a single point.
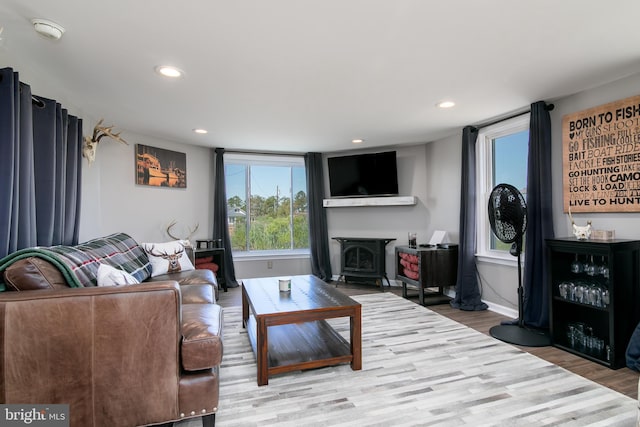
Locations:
(91, 144)
(173, 259)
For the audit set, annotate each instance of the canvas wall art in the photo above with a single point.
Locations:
(601, 158)
(158, 167)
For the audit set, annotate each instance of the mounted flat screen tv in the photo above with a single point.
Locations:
(363, 175)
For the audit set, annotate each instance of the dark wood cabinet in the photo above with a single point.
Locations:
(218, 258)
(594, 294)
(429, 269)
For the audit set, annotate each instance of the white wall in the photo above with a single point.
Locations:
(499, 282)
(247, 268)
(393, 222)
(442, 201)
(429, 171)
(113, 202)
(624, 224)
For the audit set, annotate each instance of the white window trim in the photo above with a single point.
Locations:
(274, 254)
(268, 160)
(484, 172)
(264, 159)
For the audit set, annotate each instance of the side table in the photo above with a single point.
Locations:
(218, 258)
(430, 269)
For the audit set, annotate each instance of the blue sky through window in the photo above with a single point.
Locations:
(265, 180)
(510, 160)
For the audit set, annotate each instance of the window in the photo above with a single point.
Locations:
(266, 203)
(502, 154)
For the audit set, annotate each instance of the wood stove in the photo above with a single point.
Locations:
(363, 258)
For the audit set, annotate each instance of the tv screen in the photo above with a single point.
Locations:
(363, 175)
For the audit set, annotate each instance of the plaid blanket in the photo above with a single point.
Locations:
(79, 264)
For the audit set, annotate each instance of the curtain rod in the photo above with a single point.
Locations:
(264, 153)
(37, 101)
(493, 122)
(549, 107)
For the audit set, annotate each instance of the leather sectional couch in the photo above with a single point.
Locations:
(142, 354)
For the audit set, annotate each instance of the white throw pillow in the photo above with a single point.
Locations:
(170, 257)
(111, 276)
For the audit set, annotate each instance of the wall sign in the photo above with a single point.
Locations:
(601, 158)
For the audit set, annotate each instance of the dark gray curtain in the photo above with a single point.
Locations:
(539, 218)
(40, 169)
(468, 295)
(73, 180)
(318, 230)
(220, 229)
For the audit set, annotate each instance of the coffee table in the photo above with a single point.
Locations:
(288, 330)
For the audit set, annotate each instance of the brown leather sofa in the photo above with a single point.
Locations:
(144, 354)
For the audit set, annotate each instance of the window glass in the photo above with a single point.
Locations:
(502, 156)
(510, 154)
(267, 203)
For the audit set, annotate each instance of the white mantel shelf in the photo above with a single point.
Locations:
(370, 201)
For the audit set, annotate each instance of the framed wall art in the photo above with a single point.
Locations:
(601, 158)
(159, 167)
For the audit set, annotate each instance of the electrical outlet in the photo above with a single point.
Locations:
(269, 264)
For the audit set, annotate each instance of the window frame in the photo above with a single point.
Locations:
(484, 186)
(254, 159)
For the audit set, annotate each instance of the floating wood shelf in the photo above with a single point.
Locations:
(370, 201)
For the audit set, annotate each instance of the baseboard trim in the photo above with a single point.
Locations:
(500, 309)
(450, 292)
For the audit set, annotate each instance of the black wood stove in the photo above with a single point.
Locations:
(363, 258)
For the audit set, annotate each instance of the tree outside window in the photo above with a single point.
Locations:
(267, 203)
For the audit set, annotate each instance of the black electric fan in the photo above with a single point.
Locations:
(508, 219)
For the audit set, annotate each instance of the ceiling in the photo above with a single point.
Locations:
(311, 75)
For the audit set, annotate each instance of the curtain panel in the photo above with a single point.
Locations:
(539, 218)
(220, 228)
(40, 169)
(468, 295)
(318, 229)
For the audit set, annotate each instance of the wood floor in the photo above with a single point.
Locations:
(622, 380)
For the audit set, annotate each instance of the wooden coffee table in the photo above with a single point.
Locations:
(288, 330)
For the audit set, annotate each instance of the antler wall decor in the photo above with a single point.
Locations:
(91, 144)
(184, 239)
(582, 232)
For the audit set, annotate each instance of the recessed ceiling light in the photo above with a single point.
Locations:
(47, 28)
(445, 104)
(168, 71)
(357, 141)
(200, 131)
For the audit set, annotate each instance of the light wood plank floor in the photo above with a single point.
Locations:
(623, 380)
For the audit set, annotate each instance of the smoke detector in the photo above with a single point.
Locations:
(48, 29)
